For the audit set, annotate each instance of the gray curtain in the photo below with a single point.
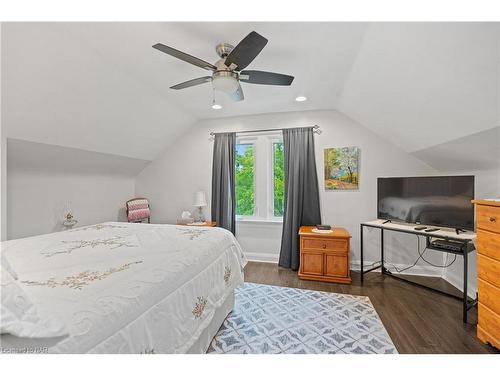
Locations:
(223, 189)
(301, 192)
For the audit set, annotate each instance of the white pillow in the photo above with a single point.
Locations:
(19, 316)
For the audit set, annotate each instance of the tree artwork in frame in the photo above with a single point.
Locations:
(341, 168)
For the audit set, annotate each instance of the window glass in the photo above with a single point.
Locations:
(278, 178)
(245, 180)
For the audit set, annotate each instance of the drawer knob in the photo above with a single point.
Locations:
(324, 246)
(493, 219)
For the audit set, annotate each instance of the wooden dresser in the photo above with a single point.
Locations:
(488, 271)
(325, 257)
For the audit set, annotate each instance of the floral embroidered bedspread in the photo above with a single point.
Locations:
(128, 288)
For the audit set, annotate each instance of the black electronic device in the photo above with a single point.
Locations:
(432, 230)
(323, 227)
(443, 201)
(448, 245)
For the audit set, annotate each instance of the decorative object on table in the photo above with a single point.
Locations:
(322, 229)
(138, 210)
(185, 218)
(200, 201)
(488, 270)
(324, 257)
(318, 323)
(69, 220)
(341, 168)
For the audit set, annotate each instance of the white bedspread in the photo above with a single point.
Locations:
(128, 288)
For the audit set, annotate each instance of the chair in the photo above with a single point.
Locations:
(138, 210)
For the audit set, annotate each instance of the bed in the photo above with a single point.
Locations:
(128, 288)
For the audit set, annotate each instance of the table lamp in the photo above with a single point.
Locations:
(200, 201)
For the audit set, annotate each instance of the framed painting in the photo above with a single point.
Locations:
(341, 168)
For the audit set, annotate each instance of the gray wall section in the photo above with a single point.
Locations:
(43, 180)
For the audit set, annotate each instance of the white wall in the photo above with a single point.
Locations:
(3, 162)
(3, 187)
(42, 179)
(37, 200)
(171, 181)
(487, 186)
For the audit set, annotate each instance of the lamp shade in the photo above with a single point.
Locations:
(225, 81)
(200, 199)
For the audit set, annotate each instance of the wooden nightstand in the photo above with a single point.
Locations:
(207, 224)
(325, 257)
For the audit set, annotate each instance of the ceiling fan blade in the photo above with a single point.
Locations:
(246, 51)
(265, 78)
(237, 96)
(193, 82)
(184, 56)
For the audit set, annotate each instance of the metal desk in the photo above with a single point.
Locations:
(467, 248)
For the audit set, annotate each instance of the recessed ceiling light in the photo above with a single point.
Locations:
(301, 98)
(216, 106)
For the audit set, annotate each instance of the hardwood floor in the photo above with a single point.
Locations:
(418, 320)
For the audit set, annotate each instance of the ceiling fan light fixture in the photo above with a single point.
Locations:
(225, 81)
(301, 98)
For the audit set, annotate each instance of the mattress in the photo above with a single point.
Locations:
(127, 288)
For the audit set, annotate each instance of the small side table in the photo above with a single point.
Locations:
(325, 256)
(207, 224)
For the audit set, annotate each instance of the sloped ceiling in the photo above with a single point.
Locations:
(39, 157)
(101, 87)
(422, 84)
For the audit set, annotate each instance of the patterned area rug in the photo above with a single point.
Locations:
(272, 319)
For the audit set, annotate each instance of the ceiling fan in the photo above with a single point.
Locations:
(227, 73)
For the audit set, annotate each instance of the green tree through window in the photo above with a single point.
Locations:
(279, 178)
(245, 180)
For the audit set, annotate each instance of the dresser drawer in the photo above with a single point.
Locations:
(489, 295)
(488, 321)
(324, 244)
(488, 269)
(488, 244)
(488, 217)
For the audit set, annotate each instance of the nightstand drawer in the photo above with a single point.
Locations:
(488, 244)
(488, 217)
(324, 244)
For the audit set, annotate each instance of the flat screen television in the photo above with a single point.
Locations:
(439, 200)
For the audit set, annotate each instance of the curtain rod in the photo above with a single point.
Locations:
(315, 127)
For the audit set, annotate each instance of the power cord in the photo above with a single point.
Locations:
(421, 256)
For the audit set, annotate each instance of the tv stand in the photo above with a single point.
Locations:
(449, 234)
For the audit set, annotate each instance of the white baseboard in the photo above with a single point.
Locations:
(262, 257)
(416, 270)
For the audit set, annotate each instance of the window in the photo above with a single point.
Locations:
(278, 178)
(245, 179)
(260, 177)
